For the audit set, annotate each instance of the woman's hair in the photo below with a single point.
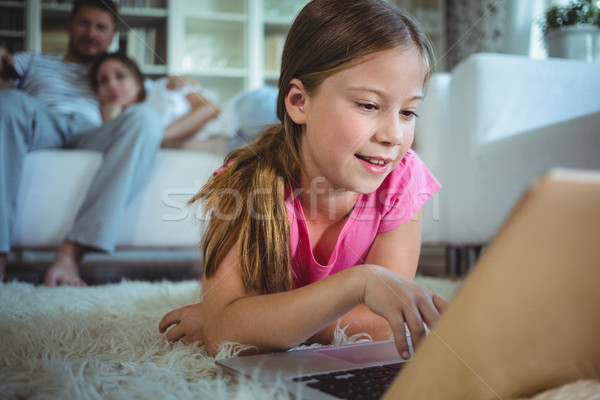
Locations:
(128, 62)
(247, 197)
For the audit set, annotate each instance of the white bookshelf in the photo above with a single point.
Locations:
(229, 46)
(142, 30)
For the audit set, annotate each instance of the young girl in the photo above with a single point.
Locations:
(318, 219)
(119, 83)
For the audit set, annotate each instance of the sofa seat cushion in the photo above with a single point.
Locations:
(55, 182)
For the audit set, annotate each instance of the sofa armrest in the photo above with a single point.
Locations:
(496, 95)
(432, 124)
(504, 169)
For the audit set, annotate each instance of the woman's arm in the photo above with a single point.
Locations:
(184, 128)
(110, 110)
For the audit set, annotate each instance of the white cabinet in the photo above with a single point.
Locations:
(209, 41)
(229, 46)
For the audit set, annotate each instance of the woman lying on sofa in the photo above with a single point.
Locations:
(189, 117)
(119, 83)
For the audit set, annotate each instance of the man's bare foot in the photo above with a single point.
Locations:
(3, 261)
(64, 271)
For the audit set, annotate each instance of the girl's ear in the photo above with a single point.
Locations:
(295, 102)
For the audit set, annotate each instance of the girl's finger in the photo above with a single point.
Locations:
(439, 302)
(399, 332)
(175, 333)
(189, 339)
(415, 325)
(428, 310)
(170, 318)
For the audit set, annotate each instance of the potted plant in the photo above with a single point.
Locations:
(573, 31)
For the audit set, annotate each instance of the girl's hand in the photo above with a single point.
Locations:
(110, 110)
(401, 301)
(187, 324)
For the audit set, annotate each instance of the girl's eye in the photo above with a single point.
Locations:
(367, 106)
(409, 114)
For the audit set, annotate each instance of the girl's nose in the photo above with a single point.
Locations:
(390, 130)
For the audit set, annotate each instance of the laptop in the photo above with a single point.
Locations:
(549, 243)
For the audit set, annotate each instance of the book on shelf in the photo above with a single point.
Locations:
(145, 46)
(273, 50)
(11, 19)
(142, 3)
(55, 41)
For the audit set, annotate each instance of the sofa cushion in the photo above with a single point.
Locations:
(55, 182)
(53, 187)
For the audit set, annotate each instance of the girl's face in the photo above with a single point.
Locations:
(360, 122)
(116, 83)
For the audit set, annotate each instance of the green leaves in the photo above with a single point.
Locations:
(577, 12)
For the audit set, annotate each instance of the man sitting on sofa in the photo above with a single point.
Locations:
(53, 106)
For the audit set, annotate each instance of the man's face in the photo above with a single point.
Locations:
(90, 33)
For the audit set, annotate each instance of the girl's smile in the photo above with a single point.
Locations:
(359, 124)
(376, 166)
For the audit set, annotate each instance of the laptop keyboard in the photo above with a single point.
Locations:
(355, 384)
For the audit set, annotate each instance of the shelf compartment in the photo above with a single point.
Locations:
(213, 44)
(282, 11)
(214, 7)
(219, 88)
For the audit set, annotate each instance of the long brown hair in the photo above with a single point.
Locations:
(247, 198)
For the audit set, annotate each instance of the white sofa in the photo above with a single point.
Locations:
(55, 182)
(493, 125)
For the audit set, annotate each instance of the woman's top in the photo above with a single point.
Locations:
(171, 104)
(241, 118)
(403, 192)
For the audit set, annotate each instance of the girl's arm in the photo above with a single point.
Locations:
(397, 250)
(284, 320)
(184, 128)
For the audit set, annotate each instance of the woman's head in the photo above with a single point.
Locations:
(331, 35)
(116, 77)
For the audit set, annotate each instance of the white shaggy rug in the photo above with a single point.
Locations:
(102, 342)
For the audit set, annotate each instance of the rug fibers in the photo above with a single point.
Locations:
(102, 342)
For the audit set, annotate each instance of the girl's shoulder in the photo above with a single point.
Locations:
(404, 191)
(411, 172)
